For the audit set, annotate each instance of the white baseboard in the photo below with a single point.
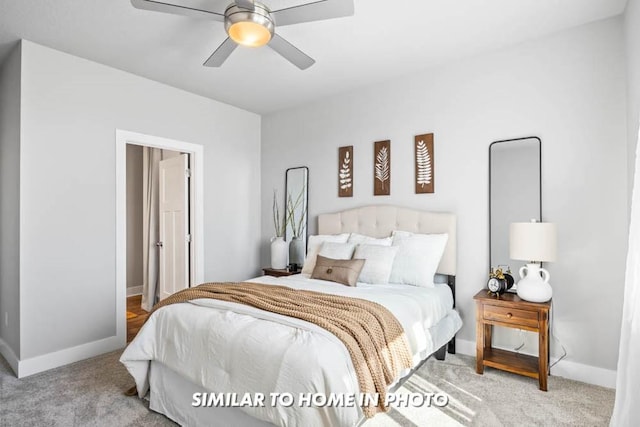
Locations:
(565, 368)
(23, 368)
(134, 290)
(468, 348)
(9, 356)
(48, 361)
(585, 373)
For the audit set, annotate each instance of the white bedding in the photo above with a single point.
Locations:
(228, 347)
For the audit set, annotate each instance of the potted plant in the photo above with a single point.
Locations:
(278, 245)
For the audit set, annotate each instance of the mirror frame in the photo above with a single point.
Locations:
(306, 227)
(539, 183)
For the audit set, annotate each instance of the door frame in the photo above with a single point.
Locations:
(196, 213)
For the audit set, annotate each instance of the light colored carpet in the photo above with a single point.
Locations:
(90, 393)
(87, 393)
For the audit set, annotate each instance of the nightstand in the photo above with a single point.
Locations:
(268, 271)
(511, 311)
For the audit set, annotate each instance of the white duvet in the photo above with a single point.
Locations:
(229, 347)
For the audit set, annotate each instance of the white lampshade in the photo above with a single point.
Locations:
(532, 241)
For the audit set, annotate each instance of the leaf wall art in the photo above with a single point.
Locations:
(345, 171)
(424, 164)
(382, 168)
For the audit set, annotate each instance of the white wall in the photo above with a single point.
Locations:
(10, 205)
(134, 216)
(568, 89)
(632, 45)
(71, 110)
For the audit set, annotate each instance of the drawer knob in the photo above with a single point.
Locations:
(509, 315)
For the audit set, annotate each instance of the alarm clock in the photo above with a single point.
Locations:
(500, 282)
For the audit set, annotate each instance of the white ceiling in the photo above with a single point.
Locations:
(382, 41)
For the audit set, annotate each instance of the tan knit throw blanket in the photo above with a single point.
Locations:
(374, 338)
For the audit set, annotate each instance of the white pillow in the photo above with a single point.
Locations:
(337, 250)
(378, 262)
(398, 234)
(313, 247)
(361, 239)
(418, 258)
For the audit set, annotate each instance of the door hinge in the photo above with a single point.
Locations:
(187, 173)
(189, 238)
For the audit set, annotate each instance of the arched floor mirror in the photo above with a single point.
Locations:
(515, 193)
(296, 209)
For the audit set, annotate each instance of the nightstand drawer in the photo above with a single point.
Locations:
(511, 315)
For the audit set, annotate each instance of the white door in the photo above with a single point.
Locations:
(174, 229)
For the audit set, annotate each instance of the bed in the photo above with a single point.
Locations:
(179, 351)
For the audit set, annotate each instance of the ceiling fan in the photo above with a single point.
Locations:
(251, 23)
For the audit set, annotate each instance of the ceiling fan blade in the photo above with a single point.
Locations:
(221, 54)
(291, 53)
(176, 9)
(246, 4)
(316, 11)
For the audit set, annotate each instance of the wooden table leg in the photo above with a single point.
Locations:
(543, 350)
(487, 335)
(480, 337)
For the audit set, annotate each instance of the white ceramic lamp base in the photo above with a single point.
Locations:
(534, 286)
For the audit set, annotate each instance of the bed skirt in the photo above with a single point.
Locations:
(172, 395)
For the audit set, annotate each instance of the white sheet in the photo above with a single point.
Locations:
(227, 347)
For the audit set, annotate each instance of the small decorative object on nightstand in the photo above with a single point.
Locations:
(511, 311)
(500, 281)
(277, 272)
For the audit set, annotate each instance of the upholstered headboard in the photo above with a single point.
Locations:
(381, 220)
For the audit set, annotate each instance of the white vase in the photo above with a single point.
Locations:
(534, 286)
(296, 252)
(279, 253)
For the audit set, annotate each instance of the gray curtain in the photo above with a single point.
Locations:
(150, 232)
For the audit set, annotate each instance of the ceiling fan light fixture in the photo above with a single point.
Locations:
(249, 34)
(252, 28)
(251, 23)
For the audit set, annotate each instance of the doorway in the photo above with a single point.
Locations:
(177, 244)
(158, 229)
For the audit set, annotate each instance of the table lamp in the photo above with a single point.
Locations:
(534, 242)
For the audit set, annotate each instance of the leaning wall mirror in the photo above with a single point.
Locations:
(514, 193)
(296, 207)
